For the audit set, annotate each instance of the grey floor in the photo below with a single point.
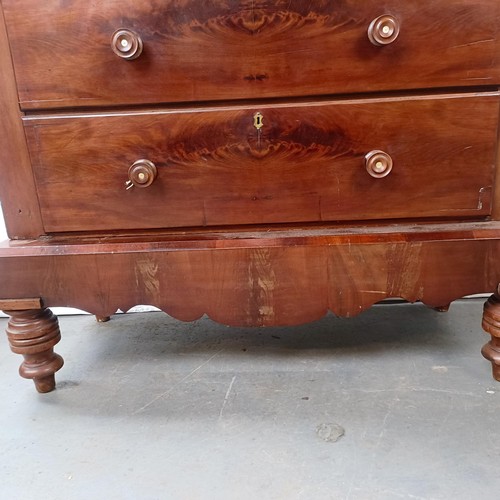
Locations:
(150, 408)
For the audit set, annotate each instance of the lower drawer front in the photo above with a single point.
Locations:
(304, 162)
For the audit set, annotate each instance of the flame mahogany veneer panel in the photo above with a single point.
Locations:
(263, 280)
(306, 164)
(240, 49)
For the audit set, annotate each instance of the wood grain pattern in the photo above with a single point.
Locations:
(264, 280)
(34, 333)
(305, 164)
(195, 51)
(258, 117)
(17, 187)
(20, 304)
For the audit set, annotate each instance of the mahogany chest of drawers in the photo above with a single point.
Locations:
(258, 161)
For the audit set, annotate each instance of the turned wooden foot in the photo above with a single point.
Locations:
(102, 319)
(33, 333)
(443, 308)
(491, 324)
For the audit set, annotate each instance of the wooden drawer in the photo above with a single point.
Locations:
(306, 163)
(199, 51)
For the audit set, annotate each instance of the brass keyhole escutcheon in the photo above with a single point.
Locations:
(258, 121)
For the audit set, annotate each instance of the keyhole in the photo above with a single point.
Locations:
(258, 121)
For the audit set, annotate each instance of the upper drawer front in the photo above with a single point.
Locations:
(200, 51)
(271, 164)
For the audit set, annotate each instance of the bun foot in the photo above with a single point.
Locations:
(102, 319)
(34, 333)
(443, 308)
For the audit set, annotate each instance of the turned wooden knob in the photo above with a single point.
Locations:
(141, 174)
(378, 163)
(126, 44)
(383, 30)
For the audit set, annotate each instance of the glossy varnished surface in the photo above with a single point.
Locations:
(264, 280)
(306, 163)
(17, 188)
(249, 48)
(253, 138)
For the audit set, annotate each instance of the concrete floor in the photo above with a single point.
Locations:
(150, 408)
